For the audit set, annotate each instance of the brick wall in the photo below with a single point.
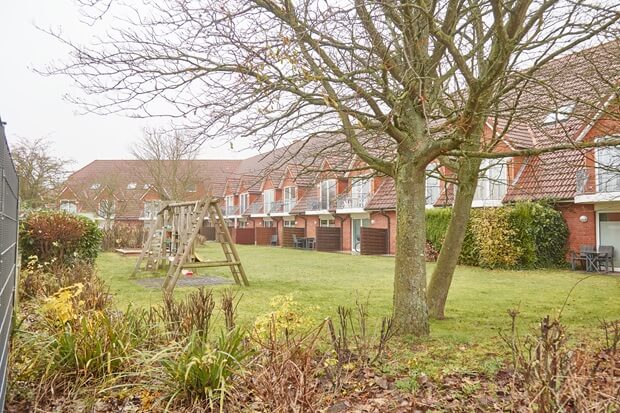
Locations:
(579, 233)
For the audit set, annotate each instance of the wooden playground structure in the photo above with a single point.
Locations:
(171, 242)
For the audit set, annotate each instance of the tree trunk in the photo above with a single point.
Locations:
(451, 248)
(410, 310)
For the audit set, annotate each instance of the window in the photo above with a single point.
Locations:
(560, 115)
(230, 205)
(146, 186)
(493, 183)
(132, 185)
(242, 224)
(432, 187)
(268, 198)
(191, 188)
(360, 189)
(289, 198)
(95, 186)
(267, 223)
(327, 223)
(68, 206)
(608, 169)
(327, 193)
(106, 208)
(289, 224)
(243, 202)
(151, 208)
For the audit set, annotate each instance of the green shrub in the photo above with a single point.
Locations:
(524, 235)
(60, 238)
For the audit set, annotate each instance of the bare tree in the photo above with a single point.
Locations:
(420, 77)
(40, 172)
(166, 162)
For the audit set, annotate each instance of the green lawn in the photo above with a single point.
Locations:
(321, 281)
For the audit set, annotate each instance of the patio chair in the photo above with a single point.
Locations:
(298, 243)
(581, 256)
(274, 240)
(310, 243)
(607, 257)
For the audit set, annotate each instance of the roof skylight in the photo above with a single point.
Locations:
(560, 115)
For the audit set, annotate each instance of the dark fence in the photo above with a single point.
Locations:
(374, 241)
(287, 235)
(207, 232)
(263, 235)
(8, 254)
(243, 236)
(328, 239)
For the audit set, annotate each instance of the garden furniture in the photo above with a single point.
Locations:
(581, 256)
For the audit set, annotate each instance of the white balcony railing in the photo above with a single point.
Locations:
(353, 201)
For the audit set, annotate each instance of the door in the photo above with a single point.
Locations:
(356, 233)
(609, 233)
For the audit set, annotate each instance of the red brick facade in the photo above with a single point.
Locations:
(580, 233)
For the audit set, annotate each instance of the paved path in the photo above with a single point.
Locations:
(184, 281)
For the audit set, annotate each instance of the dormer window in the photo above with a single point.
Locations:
(327, 193)
(68, 206)
(433, 189)
(560, 115)
(95, 186)
(132, 185)
(191, 188)
(146, 186)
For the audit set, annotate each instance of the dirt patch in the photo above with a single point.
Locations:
(185, 281)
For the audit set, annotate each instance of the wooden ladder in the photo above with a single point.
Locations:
(187, 246)
(148, 251)
(228, 247)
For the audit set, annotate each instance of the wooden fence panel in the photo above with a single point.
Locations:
(373, 241)
(287, 235)
(208, 232)
(263, 235)
(328, 239)
(243, 236)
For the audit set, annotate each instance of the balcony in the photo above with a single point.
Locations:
(282, 207)
(231, 210)
(352, 201)
(602, 186)
(316, 204)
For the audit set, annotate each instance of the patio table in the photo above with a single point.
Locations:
(593, 260)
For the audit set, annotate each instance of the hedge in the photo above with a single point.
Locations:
(521, 236)
(56, 236)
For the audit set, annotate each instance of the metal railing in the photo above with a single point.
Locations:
(352, 201)
(318, 204)
(283, 207)
(8, 254)
(231, 210)
(607, 181)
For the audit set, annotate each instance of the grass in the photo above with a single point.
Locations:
(476, 309)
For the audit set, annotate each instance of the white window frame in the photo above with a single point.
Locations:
(229, 203)
(290, 196)
(329, 185)
(72, 203)
(327, 223)
(267, 223)
(607, 179)
(490, 182)
(360, 191)
(268, 200)
(289, 224)
(432, 187)
(132, 185)
(244, 202)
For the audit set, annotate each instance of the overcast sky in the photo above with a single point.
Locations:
(32, 105)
